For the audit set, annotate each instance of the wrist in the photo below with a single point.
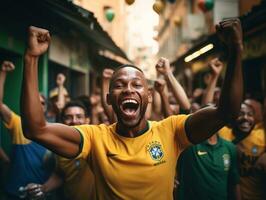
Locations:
(29, 57)
(168, 75)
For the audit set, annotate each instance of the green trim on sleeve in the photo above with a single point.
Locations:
(81, 142)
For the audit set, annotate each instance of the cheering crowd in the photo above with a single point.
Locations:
(131, 140)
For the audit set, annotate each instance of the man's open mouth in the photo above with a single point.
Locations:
(245, 125)
(129, 107)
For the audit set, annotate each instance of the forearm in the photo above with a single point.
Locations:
(52, 183)
(165, 104)
(5, 112)
(61, 98)
(209, 93)
(94, 116)
(2, 83)
(31, 111)
(156, 103)
(232, 91)
(107, 108)
(178, 91)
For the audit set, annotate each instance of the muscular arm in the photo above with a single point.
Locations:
(206, 122)
(5, 112)
(59, 138)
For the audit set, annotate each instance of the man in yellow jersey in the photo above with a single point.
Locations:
(74, 174)
(133, 158)
(251, 145)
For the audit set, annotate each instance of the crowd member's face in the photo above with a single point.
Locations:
(129, 96)
(257, 108)
(74, 116)
(245, 121)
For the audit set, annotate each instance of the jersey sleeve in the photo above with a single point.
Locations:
(178, 123)
(86, 133)
(15, 128)
(226, 133)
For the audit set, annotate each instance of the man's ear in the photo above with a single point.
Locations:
(108, 99)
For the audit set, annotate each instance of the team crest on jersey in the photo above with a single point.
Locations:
(155, 150)
(254, 150)
(226, 159)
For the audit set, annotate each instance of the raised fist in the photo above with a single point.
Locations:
(163, 66)
(230, 32)
(107, 73)
(60, 79)
(7, 66)
(216, 66)
(38, 41)
(159, 85)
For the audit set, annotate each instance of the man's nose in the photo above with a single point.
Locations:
(128, 88)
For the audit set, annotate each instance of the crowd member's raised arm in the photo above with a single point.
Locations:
(159, 86)
(206, 122)
(106, 77)
(5, 112)
(216, 68)
(61, 139)
(61, 98)
(163, 67)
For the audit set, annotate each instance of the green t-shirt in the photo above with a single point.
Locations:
(207, 171)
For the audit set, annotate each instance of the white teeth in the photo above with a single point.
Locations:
(129, 101)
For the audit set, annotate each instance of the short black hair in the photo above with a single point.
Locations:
(127, 65)
(74, 103)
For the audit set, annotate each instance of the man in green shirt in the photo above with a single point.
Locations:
(208, 171)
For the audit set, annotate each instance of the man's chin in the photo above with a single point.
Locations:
(130, 123)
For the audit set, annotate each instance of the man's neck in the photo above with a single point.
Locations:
(132, 132)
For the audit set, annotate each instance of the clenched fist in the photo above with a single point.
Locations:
(163, 66)
(38, 41)
(7, 66)
(107, 73)
(230, 33)
(216, 66)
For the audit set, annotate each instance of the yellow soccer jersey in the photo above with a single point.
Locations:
(249, 150)
(226, 133)
(15, 128)
(135, 168)
(78, 178)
